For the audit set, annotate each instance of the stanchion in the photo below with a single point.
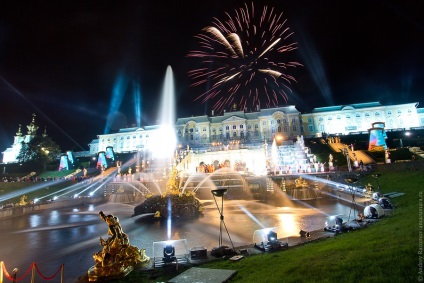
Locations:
(1, 271)
(33, 272)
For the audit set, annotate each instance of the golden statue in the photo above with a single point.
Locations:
(300, 182)
(117, 258)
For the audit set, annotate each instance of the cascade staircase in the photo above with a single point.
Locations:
(360, 154)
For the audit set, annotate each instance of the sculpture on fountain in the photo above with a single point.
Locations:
(117, 257)
(172, 203)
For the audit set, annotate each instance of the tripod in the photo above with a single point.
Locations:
(354, 205)
(221, 193)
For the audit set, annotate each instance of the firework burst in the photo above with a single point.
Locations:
(244, 60)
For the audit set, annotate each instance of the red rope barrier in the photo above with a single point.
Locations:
(48, 278)
(17, 279)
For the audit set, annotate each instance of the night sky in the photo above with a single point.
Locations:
(62, 59)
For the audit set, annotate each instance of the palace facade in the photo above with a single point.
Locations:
(239, 128)
(252, 128)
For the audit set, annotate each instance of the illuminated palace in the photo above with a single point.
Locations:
(240, 128)
(250, 128)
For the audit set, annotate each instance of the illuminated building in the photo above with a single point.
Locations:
(234, 128)
(250, 128)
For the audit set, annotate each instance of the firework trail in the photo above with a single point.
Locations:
(245, 59)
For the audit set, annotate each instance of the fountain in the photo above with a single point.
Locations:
(172, 203)
(302, 190)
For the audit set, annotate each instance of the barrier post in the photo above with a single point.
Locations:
(33, 272)
(15, 274)
(1, 271)
(61, 273)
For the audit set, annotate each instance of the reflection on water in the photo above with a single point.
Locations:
(71, 236)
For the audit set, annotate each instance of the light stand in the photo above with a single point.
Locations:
(376, 176)
(352, 181)
(221, 250)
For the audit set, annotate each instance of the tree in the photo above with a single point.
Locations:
(40, 151)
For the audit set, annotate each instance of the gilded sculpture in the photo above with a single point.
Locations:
(117, 257)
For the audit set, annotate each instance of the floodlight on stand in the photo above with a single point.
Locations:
(221, 250)
(304, 234)
(376, 176)
(272, 237)
(351, 180)
(272, 243)
(219, 192)
(169, 253)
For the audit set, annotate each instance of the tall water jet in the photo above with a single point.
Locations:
(165, 141)
(163, 144)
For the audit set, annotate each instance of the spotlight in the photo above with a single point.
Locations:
(351, 180)
(272, 237)
(304, 234)
(273, 244)
(169, 254)
(219, 192)
(339, 224)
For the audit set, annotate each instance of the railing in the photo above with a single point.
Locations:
(32, 269)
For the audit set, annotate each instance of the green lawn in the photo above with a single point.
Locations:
(387, 251)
